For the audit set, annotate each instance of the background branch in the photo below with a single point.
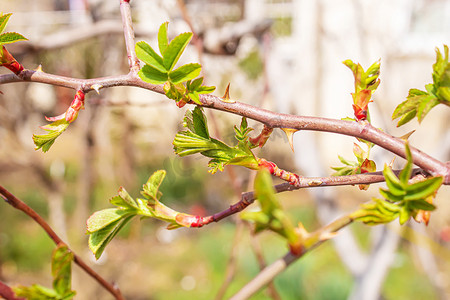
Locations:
(20, 205)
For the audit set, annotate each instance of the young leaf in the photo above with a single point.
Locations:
(146, 53)
(45, 141)
(105, 217)
(152, 75)
(11, 37)
(185, 73)
(3, 21)
(62, 270)
(196, 122)
(98, 240)
(419, 103)
(163, 40)
(35, 292)
(422, 189)
(172, 53)
(151, 188)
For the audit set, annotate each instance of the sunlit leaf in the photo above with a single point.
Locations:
(11, 37)
(172, 53)
(62, 269)
(146, 53)
(163, 40)
(185, 73)
(45, 141)
(152, 75)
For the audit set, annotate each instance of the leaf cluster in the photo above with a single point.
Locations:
(159, 69)
(8, 37)
(104, 225)
(366, 82)
(196, 139)
(362, 165)
(419, 103)
(62, 273)
(403, 199)
(272, 217)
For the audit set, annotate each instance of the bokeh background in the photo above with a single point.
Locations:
(281, 55)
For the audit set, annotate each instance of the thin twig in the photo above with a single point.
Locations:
(257, 250)
(129, 35)
(22, 206)
(248, 198)
(270, 272)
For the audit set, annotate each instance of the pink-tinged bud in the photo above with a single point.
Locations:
(189, 220)
(8, 61)
(269, 166)
(76, 105)
(296, 249)
(181, 103)
(57, 118)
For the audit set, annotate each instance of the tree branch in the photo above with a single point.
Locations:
(20, 205)
(270, 272)
(361, 130)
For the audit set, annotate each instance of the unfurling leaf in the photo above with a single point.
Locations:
(197, 140)
(419, 103)
(45, 141)
(104, 225)
(272, 216)
(366, 82)
(61, 271)
(405, 198)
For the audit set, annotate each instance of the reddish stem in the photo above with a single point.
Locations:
(129, 35)
(8, 61)
(20, 205)
(262, 138)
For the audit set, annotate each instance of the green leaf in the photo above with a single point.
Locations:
(185, 73)
(421, 204)
(195, 84)
(200, 123)
(163, 40)
(194, 96)
(105, 217)
(98, 240)
(152, 75)
(393, 183)
(146, 53)
(423, 189)
(404, 215)
(124, 200)
(172, 53)
(36, 292)
(151, 188)
(425, 106)
(206, 89)
(405, 174)
(62, 269)
(3, 21)
(11, 37)
(45, 141)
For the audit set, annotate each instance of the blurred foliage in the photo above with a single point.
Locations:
(252, 64)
